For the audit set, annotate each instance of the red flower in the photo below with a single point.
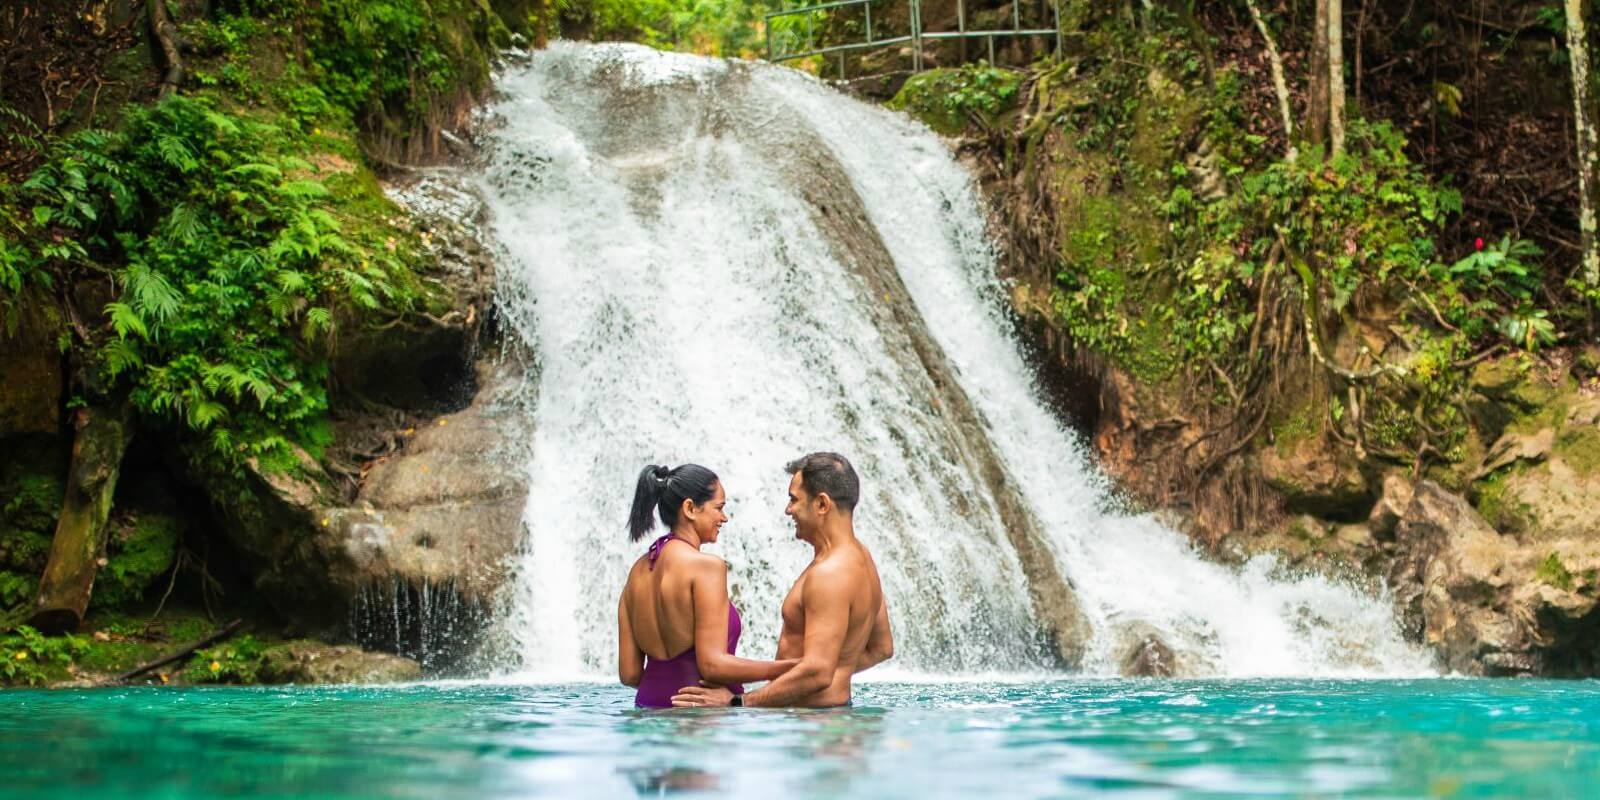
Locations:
(1477, 244)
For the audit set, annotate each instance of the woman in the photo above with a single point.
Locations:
(674, 622)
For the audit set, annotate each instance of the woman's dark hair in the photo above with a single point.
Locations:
(664, 490)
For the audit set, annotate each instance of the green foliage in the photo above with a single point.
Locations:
(1205, 263)
(1554, 573)
(948, 100)
(28, 657)
(140, 551)
(390, 67)
(391, 61)
(709, 27)
(238, 660)
(231, 258)
(29, 502)
(1506, 276)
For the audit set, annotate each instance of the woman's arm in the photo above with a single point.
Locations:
(709, 589)
(630, 659)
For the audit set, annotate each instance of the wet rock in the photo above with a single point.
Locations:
(1354, 535)
(307, 661)
(438, 520)
(423, 360)
(422, 508)
(1491, 604)
(1144, 654)
(1393, 499)
(1450, 580)
(1318, 478)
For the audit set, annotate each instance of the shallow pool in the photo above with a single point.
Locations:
(1468, 738)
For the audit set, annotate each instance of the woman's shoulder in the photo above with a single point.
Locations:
(700, 561)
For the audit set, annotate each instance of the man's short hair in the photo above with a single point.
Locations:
(830, 474)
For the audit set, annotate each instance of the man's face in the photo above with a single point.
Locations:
(801, 509)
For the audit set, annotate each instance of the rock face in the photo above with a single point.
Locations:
(415, 562)
(30, 372)
(409, 551)
(1491, 604)
(430, 535)
(1316, 478)
(309, 661)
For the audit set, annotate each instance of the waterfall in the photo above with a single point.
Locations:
(733, 264)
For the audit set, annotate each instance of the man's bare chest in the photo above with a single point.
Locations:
(794, 610)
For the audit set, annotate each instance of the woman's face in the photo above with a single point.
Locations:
(706, 519)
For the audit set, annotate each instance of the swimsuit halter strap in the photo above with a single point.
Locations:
(656, 547)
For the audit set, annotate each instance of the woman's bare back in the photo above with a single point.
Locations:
(660, 601)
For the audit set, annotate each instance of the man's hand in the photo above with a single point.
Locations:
(702, 696)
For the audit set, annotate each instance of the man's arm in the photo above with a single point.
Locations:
(880, 644)
(827, 611)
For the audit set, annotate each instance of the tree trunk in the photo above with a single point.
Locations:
(541, 36)
(1335, 14)
(1280, 85)
(1578, 49)
(80, 538)
(165, 34)
(1316, 126)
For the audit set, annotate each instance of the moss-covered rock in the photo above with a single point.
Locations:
(140, 551)
(952, 100)
(1540, 479)
(31, 487)
(30, 367)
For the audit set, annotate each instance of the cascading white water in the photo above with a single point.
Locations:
(662, 261)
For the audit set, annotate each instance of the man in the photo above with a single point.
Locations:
(834, 619)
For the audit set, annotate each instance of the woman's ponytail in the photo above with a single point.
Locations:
(663, 490)
(646, 496)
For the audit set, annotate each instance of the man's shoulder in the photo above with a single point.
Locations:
(834, 570)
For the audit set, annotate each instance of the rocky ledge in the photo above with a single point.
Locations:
(401, 535)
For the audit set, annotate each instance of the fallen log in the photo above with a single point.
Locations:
(181, 653)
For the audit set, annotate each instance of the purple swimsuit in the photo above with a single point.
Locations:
(663, 679)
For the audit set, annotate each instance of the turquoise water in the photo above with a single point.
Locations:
(1463, 738)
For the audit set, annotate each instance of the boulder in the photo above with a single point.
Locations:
(1393, 500)
(1449, 579)
(1317, 477)
(1546, 485)
(1491, 604)
(1551, 501)
(1514, 447)
(1142, 653)
(424, 545)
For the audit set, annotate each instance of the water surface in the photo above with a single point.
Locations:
(1066, 738)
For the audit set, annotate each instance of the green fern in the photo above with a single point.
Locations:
(229, 269)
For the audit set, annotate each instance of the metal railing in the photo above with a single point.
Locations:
(917, 36)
